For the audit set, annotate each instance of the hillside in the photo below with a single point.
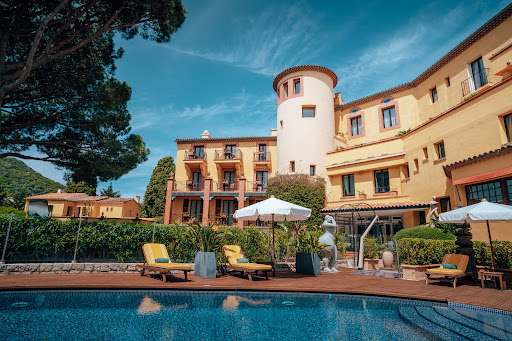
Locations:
(16, 176)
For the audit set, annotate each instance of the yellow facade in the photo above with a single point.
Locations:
(467, 117)
(212, 174)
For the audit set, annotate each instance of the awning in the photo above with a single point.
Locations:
(484, 177)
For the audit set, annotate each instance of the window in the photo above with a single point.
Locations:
(68, 211)
(444, 204)
(423, 217)
(199, 152)
(308, 111)
(281, 123)
(433, 93)
(261, 180)
(447, 80)
(228, 181)
(262, 155)
(348, 185)
(498, 191)
(416, 165)
(312, 170)
(389, 117)
(357, 125)
(478, 73)
(196, 209)
(508, 126)
(407, 173)
(50, 210)
(381, 181)
(440, 150)
(196, 181)
(296, 85)
(425, 153)
(292, 166)
(230, 152)
(285, 90)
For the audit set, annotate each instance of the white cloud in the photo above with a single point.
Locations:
(267, 44)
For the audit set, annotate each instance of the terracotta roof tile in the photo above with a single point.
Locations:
(116, 200)
(224, 139)
(473, 38)
(379, 206)
(306, 68)
(88, 198)
(57, 196)
(505, 149)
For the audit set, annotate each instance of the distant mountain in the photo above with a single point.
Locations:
(16, 176)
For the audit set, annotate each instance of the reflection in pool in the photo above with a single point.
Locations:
(211, 315)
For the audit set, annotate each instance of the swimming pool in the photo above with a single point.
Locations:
(201, 315)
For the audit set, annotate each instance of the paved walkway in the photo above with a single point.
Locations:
(346, 281)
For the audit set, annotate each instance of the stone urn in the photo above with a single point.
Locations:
(387, 259)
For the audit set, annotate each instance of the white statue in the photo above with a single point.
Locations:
(330, 252)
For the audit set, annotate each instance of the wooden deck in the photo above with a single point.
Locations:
(343, 282)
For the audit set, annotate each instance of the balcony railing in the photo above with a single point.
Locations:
(188, 186)
(225, 154)
(261, 156)
(257, 186)
(191, 155)
(226, 186)
(474, 82)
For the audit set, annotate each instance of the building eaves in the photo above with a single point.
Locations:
(503, 150)
(473, 38)
(378, 206)
(300, 68)
(228, 139)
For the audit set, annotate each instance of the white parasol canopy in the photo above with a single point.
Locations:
(480, 212)
(273, 209)
(483, 211)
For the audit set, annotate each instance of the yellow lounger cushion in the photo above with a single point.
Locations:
(444, 271)
(152, 251)
(234, 252)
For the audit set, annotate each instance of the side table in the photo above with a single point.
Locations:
(492, 274)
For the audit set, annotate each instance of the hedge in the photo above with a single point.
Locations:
(502, 253)
(423, 232)
(370, 248)
(417, 251)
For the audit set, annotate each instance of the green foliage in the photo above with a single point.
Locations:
(301, 189)
(109, 192)
(16, 176)
(423, 232)
(8, 210)
(502, 253)
(154, 199)
(204, 237)
(306, 242)
(416, 251)
(253, 241)
(448, 228)
(370, 248)
(403, 132)
(57, 87)
(80, 187)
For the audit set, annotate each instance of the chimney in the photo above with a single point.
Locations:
(337, 99)
(137, 199)
(273, 132)
(205, 135)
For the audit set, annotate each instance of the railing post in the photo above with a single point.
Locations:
(77, 238)
(7, 238)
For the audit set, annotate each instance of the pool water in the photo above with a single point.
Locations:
(200, 315)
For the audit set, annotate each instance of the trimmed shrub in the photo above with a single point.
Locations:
(502, 253)
(370, 248)
(417, 251)
(423, 232)
(8, 210)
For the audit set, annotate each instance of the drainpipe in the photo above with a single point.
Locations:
(361, 243)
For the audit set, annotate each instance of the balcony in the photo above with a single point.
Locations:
(188, 186)
(257, 186)
(224, 158)
(225, 186)
(195, 161)
(261, 159)
(475, 82)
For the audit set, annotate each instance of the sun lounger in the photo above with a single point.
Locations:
(152, 252)
(233, 253)
(442, 273)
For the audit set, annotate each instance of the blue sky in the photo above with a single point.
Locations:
(218, 69)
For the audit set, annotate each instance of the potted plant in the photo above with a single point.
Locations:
(370, 254)
(362, 194)
(206, 242)
(307, 257)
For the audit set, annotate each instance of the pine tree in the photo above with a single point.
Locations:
(109, 192)
(80, 187)
(154, 199)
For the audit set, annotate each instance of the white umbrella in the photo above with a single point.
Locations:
(480, 212)
(273, 209)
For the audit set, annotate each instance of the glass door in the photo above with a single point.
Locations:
(262, 156)
(197, 180)
(228, 209)
(477, 68)
(229, 180)
(196, 209)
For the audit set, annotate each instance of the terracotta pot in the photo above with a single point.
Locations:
(370, 264)
(387, 259)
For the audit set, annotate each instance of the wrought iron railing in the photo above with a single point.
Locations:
(226, 186)
(191, 155)
(261, 156)
(188, 186)
(226, 154)
(257, 186)
(477, 80)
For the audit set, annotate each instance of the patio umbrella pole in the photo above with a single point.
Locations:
(492, 249)
(273, 243)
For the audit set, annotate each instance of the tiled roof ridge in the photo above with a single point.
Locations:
(474, 37)
(308, 67)
(380, 205)
(216, 139)
(62, 196)
(503, 150)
